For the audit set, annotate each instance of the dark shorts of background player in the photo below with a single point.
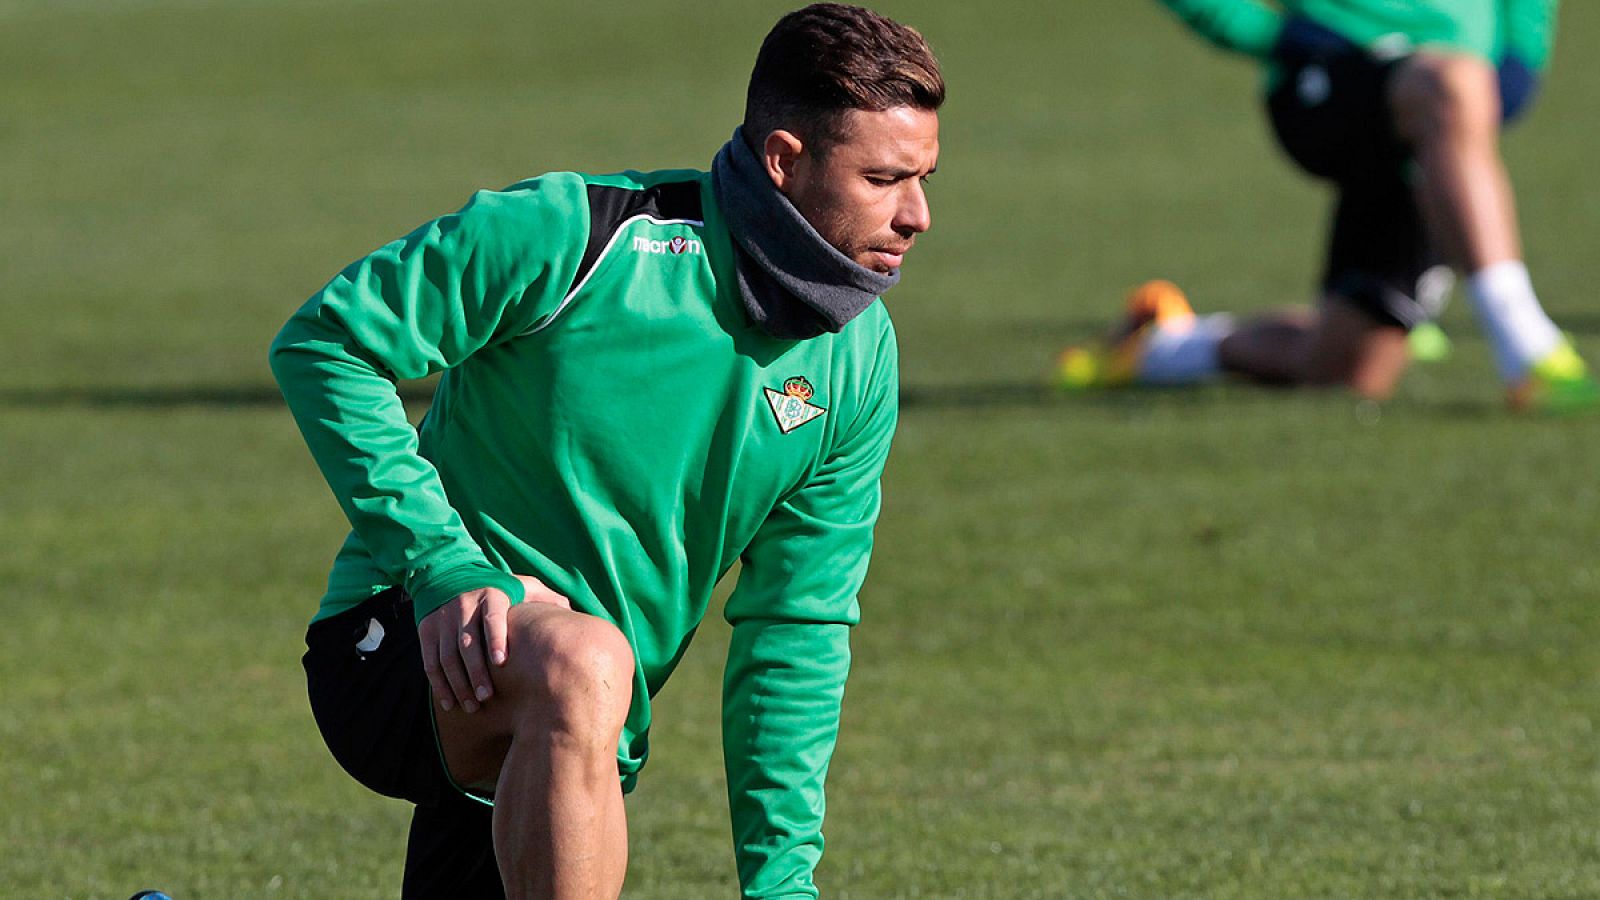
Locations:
(374, 710)
(1331, 115)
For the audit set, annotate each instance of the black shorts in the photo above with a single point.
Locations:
(1331, 115)
(370, 698)
(371, 701)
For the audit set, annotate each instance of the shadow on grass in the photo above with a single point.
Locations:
(1207, 399)
(977, 396)
(974, 396)
(218, 396)
(1580, 324)
(1076, 328)
(913, 398)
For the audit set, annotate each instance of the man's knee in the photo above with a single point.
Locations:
(1351, 348)
(1442, 96)
(575, 671)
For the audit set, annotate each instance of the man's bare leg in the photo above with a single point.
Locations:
(1350, 348)
(1333, 345)
(546, 744)
(1270, 348)
(1447, 108)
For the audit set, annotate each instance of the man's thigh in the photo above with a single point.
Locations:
(1433, 92)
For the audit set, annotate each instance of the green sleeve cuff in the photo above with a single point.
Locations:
(433, 588)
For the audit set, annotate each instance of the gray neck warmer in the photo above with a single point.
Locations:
(794, 284)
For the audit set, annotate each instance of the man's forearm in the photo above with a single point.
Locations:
(781, 702)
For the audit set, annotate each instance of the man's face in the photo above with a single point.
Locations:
(866, 193)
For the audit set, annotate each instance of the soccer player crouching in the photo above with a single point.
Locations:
(646, 378)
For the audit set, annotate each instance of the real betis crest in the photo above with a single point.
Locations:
(792, 408)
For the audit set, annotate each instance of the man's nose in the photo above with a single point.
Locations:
(913, 216)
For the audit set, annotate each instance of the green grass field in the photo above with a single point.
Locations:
(1224, 643)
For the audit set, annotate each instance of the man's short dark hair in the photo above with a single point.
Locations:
(820, 62)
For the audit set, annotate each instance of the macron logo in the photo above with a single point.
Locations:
(676, 246)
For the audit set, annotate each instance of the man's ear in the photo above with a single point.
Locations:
(779, 153)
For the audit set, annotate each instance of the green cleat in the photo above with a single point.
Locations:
(1428, 343)
(1558, 385)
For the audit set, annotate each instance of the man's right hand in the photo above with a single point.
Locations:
(460, 640)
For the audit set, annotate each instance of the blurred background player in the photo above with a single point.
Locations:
(1400, 106)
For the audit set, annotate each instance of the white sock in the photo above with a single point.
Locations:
(1184, 352)
(1519, 332)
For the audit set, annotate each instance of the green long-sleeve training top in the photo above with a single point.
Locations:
(609, 422)
(1488, 28)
